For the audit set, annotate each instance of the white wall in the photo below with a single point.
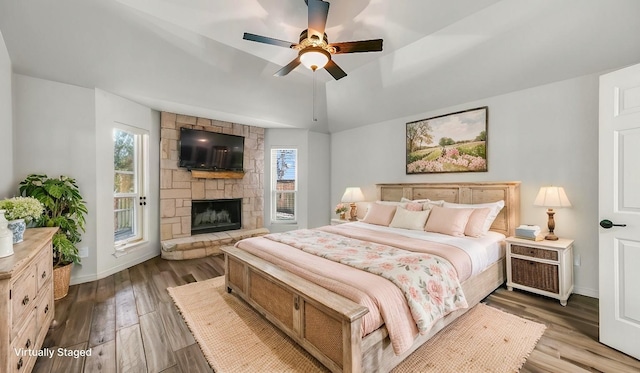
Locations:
(319, 174)
(7, 185)
(55, 135)
(547, 135)
(110, 109)
(313, 176)
(62, 129)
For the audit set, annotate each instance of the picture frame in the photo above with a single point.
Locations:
(455, 142)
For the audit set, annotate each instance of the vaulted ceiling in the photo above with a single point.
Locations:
(188, 56)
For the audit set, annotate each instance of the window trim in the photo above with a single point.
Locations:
(274, 191)
(141, 189)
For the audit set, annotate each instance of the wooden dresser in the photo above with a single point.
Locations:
(26, 287)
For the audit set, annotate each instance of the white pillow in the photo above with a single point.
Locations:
(495, 210)
(392, 203)
(427, 203)
(409, 219)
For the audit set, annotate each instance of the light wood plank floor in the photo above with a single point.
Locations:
(131, 325)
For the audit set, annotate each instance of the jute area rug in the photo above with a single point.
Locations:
(235, 338)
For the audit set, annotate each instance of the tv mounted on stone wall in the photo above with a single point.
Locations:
(204, 150)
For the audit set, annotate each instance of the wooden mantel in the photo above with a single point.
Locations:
(200, 174)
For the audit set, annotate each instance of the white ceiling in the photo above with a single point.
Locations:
(188, 56)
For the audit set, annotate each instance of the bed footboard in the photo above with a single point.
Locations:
(325, 324)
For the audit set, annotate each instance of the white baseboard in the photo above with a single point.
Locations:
(110, 271)
(586, 292)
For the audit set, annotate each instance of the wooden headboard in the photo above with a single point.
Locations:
(475, 192)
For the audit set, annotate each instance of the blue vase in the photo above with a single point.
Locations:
(18, 227)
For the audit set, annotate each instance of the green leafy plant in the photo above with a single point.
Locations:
(64, 208)
(27, 208)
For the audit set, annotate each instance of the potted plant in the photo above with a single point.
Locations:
(63, 208)
(20, 211)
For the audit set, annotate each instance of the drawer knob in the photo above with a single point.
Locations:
(46, 308)
(44, 274)
(25, 300)
(20, 363)
(28, 344)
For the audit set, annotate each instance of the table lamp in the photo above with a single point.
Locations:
(551, 197)
(352, 195)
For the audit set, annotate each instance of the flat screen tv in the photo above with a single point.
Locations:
(204, 150)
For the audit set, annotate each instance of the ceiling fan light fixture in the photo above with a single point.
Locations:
(314, 58)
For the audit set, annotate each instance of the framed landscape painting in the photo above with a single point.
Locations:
(455, 142)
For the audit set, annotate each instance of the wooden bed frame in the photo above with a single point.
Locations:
(328, 325)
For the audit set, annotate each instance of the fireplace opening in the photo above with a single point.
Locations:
(216, 215)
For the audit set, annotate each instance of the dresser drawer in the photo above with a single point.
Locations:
(44, 308)
(23, 294)
(44, 267)
(534, 252)
(20, 347)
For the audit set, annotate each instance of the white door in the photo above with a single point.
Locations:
(620, 204)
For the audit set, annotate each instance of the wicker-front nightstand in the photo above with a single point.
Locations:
(542, 267)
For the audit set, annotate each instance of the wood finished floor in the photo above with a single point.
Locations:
(131, 325)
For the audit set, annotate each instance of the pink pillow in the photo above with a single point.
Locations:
(475, 225)
(413, 206)
(448, 221)
(380, 214)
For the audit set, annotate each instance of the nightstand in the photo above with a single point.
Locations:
(541, 267)
(337, 221)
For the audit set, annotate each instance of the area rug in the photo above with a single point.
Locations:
(235, 338)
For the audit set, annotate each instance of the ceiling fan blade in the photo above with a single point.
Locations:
(318, 12)
(267, 40)
(336, 72)
(358, 46)
(287, 69)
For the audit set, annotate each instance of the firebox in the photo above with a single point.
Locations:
(215, 215)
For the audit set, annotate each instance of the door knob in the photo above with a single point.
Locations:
(606, 224)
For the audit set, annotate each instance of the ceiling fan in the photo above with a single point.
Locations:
(314, 48)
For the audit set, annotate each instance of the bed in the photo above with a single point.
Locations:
(329, 325)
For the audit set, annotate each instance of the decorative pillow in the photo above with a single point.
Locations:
(448, 221)
(475, 225)
(495, 206)
(414, 206)
(408, 219)
(380, 214)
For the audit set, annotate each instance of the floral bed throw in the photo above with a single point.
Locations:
(429, 283)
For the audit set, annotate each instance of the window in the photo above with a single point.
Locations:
(284, 185)
(129, 201)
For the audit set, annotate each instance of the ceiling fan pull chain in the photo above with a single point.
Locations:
(314, 96)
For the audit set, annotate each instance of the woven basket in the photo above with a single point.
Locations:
(61, 278)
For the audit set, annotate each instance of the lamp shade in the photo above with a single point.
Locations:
(353, 194)
(552, 196)
(314, 58)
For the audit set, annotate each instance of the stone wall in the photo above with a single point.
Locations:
(178, 188)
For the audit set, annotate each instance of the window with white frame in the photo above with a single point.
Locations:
(284, 184)
(130, 165)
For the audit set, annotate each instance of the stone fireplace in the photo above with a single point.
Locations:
(179, 188)
(188, 226)
(216, 215)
